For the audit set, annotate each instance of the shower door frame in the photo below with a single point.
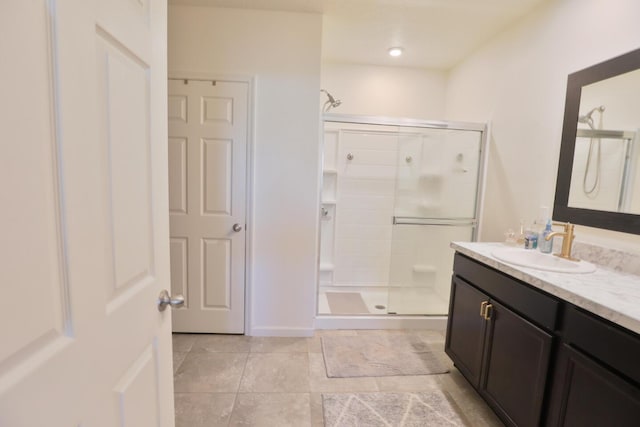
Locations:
(397, 321)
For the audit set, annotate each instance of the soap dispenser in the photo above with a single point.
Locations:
(546, 246)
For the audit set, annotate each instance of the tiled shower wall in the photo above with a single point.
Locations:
(364, 209)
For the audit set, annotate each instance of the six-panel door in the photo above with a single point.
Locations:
(208, 131)
(85, 244)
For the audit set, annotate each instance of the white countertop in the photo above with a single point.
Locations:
(610, 294)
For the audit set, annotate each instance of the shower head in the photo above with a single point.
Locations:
(587, 117)
(331, 102)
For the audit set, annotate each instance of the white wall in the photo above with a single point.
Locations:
(518, 83)
(282, 51)
(372, 90)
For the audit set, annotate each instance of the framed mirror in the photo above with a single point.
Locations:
(598, 182)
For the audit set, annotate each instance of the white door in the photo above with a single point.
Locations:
(85, 248)
(208, 128)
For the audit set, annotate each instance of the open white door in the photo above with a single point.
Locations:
(83, 191)
(208, 128)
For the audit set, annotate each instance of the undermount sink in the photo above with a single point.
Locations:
(534, 259)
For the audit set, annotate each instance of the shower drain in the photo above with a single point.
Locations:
(380, 306)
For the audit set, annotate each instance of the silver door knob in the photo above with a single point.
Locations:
(164, 299)
(237, 227)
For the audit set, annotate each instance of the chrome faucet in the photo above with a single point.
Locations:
(567, 240)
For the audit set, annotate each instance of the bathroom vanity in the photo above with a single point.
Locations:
(546, 348)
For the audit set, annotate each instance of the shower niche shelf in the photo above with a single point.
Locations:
(329, 188)
(424, 269)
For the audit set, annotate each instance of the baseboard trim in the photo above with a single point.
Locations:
(277, 331)
(353, 322)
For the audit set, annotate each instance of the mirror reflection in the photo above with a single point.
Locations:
(605, 174)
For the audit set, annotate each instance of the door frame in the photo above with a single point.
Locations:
(250, 213)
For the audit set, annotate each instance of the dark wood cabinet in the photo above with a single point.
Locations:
(538, 360)
(517, 359)
(587, 394)
(504, 356)
(466, 329)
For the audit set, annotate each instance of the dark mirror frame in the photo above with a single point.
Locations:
(627, 223)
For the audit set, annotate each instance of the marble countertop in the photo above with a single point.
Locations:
(610, 294)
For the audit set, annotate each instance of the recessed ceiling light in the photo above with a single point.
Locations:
(395, 51)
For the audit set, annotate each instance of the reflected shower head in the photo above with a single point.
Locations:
(587, 117)
(331, 102)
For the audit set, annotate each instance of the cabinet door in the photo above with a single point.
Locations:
(587, 394)
(466, 329)
(516, 366)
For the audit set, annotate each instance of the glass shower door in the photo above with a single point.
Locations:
(436, 203)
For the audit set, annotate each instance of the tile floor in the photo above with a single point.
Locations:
(234, 380)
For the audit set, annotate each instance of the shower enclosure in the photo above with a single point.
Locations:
(394, 194)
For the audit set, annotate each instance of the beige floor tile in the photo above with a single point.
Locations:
(473, 407)
(314, 344)
(443, 358)
(317, 416)
(431, 334)
(335, 332)
(203, 409)
(456, 408)
(210, 372)
(215, 343)
(178, 358)
(279, 345)
(271, 410)
(483, 417)
(281, 380)
(409, 383)
(321, 383)
(454, 381)
(183, 342)
(382, 331)
(276, 372)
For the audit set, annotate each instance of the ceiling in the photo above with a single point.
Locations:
(435, 34)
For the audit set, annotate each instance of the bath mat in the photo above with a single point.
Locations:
(432, 408)
(346, 303)
(381, 356)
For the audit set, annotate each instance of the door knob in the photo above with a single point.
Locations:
(164, 299)
(237, 227)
